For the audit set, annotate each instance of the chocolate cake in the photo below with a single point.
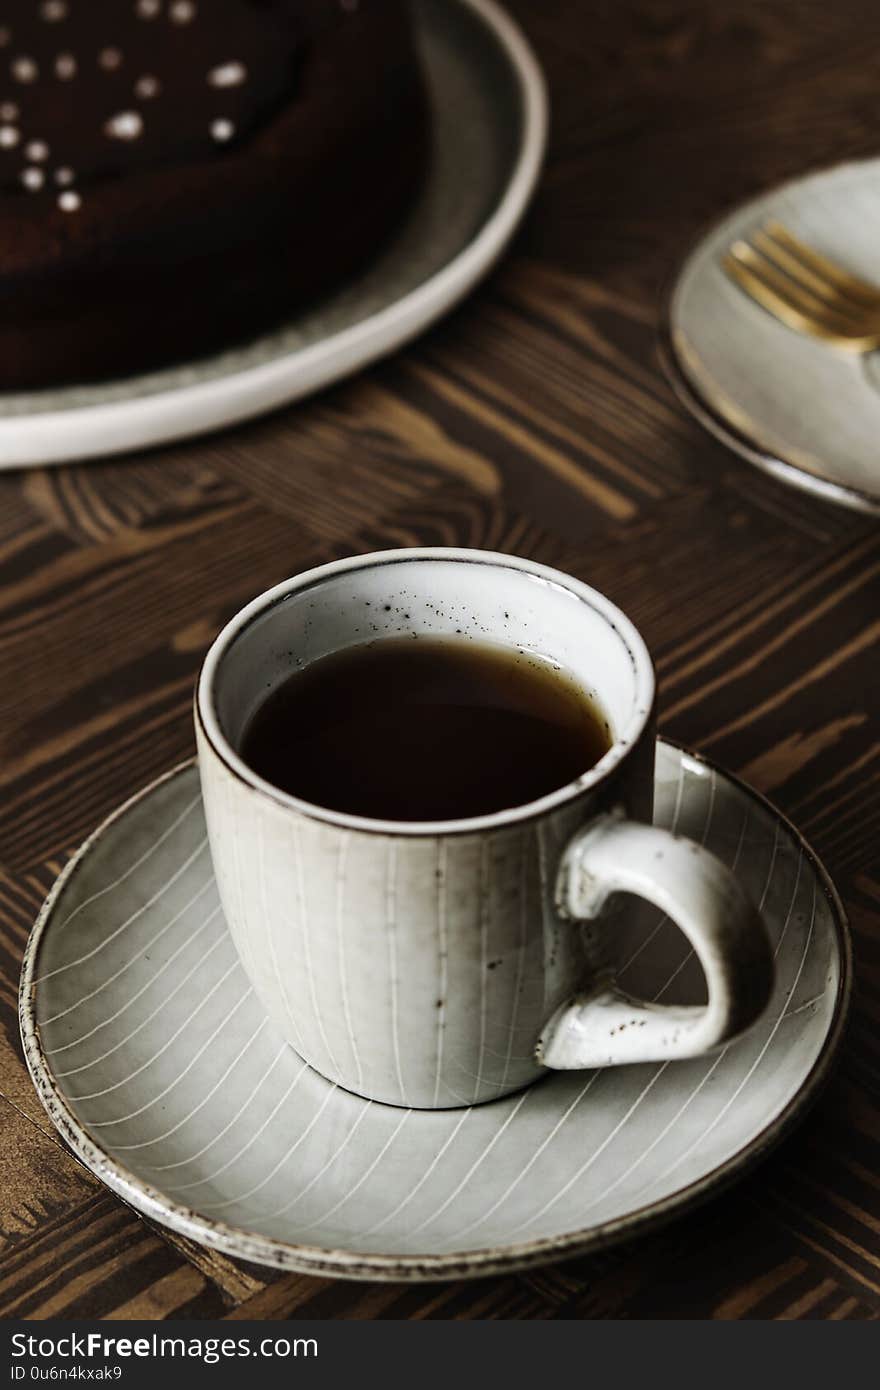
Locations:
(176, 175)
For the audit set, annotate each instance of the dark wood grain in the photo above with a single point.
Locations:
(534, 419)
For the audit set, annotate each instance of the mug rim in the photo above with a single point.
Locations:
(626, 740)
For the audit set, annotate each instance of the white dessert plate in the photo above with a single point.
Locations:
(157, 1065)
(489, 124)
(788, 403)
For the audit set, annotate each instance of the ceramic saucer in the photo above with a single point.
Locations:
(158, 1067)
(489, 121)
(788, 403)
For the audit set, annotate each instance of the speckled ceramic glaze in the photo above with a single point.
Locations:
(160, 1068)
(445, 963)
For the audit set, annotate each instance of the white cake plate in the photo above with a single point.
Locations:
(489, 124)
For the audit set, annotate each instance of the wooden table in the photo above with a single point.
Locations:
(536, 420)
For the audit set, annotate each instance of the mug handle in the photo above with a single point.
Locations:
(605, 1026)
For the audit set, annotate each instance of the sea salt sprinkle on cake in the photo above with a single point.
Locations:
(24, 70)
(125, 125)
(147, 87)
(227, 75)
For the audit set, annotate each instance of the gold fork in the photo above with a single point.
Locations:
(805, 290)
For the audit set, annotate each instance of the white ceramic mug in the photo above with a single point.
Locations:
(445, 963)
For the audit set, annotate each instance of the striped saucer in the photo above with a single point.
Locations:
(155, 1062)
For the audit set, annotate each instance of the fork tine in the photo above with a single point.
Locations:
(800, 298)
(798, 270)
(783, 310)
(861, 291)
